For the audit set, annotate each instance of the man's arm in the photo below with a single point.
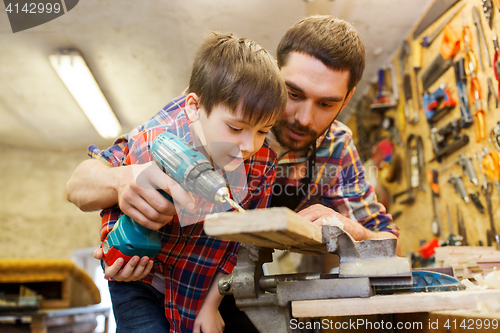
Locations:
(95, 185)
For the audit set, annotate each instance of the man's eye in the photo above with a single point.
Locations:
(293, 95)
(325, 105)
(234, 129)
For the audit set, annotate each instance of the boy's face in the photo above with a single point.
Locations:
(316, 95)
(228, 137)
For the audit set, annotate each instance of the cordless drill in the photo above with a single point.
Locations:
(190, 169)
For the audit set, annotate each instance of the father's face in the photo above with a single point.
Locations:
(316, 95)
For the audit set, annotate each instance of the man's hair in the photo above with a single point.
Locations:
(331, 40)
(237, 72)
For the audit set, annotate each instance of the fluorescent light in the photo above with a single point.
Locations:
(77, 77)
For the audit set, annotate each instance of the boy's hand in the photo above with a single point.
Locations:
(139, 199)
(136, 269)
(208, 320)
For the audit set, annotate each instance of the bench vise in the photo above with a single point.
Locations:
(267, 300)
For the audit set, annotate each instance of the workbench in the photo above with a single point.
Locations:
(333, 300)
(73, 319)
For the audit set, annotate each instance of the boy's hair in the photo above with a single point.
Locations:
(331, 40)
(235, 71)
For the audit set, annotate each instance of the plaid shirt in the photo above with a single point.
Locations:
(189, 259)
(338, 180)
(339, 177)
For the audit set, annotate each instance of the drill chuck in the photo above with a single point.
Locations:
(188, 167)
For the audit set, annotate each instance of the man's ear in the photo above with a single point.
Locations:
(192, 107)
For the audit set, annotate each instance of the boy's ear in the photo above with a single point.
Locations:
(192, 107)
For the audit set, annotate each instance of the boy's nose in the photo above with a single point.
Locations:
(247, 144)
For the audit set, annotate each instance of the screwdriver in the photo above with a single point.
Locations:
(436, 225)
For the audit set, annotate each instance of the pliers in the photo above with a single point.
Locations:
(488, 12)
(491, 92)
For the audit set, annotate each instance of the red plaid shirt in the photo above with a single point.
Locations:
(189, 259)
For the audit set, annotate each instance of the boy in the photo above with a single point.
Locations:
(235, 95)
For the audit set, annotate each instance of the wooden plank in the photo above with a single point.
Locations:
(387, 304)
(278, 228)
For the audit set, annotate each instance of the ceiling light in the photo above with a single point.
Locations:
(77, 77)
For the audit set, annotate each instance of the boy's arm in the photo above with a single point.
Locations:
(209, 319)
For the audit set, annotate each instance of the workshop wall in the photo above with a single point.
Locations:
(415, 218)
(36, 220)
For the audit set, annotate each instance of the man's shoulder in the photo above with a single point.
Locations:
(339, 129)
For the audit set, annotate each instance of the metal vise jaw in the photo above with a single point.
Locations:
(266, 299)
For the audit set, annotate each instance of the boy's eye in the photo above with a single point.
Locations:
(264, 132)
(234, 129)
(293, 95)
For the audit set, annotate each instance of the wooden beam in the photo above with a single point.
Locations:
(278, 228)
(387, 304)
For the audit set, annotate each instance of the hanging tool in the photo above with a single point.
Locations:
(444, 60)
(403, 59)
(491, 167)
(417, 65)
(496, 60)
(447, 139)
(487, 189)
(414, 168)
(459, 186)
(495, 136)
(388, 124)
(387, 98)
(461, 228)
(474, 197)
(480, 36)
(427, 40)
(488, 12)
(438, 104)
(452, 240)
(491, 92)
(436, 225)
(436, 10)
(479, 121)
(408, 97)
(467, 168)
(463, 100)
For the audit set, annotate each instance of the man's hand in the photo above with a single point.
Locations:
(139, 198)
(317, 213)
(208, 320)
(136, 269)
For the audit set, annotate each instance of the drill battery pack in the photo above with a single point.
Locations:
(128, 239)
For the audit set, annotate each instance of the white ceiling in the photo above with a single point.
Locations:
(141, 52)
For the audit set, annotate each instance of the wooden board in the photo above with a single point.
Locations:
(278, 228)
(388, 304)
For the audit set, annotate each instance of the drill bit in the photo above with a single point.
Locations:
(232, 203)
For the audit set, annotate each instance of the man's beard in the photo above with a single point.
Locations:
(282, 126)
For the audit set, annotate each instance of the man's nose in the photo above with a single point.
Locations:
(305, 115)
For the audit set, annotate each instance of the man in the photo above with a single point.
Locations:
(319, 173)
